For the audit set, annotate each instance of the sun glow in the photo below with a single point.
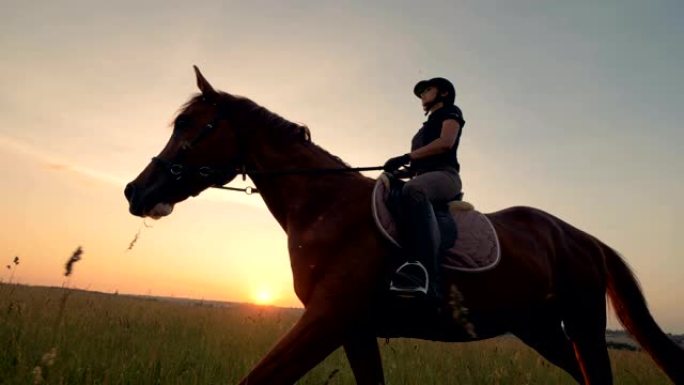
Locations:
(264, 296)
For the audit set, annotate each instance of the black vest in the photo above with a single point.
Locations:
(431, 130)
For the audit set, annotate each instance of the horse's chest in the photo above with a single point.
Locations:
(307, 262)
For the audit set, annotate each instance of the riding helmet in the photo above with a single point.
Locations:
(443, 85)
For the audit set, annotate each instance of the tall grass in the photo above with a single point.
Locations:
(114, 339)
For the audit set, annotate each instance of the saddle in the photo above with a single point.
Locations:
(468, 239)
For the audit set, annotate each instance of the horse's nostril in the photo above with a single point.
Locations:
(129, 191)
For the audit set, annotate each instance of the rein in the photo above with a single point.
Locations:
(178, 170)
(251, 190)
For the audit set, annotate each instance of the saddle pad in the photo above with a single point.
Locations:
(477, 247)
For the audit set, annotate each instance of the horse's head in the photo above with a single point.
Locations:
(203, 151)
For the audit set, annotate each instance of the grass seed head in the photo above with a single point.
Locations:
(48, 358)
(75, 257)
(37, 375)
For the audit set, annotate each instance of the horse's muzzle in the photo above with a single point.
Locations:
(135, 206)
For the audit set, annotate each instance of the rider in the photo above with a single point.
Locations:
(433, 162)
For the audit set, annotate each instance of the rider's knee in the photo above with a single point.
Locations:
(414, 192)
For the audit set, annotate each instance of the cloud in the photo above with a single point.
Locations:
(56, 163)
(57, 166)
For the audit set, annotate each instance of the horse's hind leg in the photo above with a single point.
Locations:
(585, 324)
(548, 339)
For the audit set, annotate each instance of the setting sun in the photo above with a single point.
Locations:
(264, 296)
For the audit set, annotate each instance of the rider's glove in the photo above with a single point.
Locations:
(393, 164)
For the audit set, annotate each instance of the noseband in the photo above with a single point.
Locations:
(180, 170)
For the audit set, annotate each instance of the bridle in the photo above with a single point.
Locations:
(217, 176)
(220, 176)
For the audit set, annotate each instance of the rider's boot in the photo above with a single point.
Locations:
(419, 276)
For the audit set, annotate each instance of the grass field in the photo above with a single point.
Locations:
(55, 336)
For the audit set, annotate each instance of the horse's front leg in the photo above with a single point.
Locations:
(364, 357)
(318, 333)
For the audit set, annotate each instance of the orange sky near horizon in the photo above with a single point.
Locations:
(562, 112)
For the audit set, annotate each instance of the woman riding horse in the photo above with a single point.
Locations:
(549, 288)
(435, 166)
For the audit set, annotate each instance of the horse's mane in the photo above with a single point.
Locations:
(279, 126)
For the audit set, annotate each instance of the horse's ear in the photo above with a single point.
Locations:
(203, 84)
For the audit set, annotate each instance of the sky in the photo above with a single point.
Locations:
(571, 107)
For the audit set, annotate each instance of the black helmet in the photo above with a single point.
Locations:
(442, 85)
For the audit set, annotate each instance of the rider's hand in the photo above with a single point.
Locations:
(393, 164)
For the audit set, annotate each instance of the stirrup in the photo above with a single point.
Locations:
(411, 289)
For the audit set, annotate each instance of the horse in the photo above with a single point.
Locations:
(549, 288)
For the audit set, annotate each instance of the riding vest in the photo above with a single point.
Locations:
(431, 130)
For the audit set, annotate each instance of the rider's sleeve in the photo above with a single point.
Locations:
(453, 115)
(456, 115)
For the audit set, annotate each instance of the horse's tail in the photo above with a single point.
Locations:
(630, 305)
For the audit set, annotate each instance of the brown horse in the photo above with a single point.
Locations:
(549, 288)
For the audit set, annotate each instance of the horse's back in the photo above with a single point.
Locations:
(528, 273)
(563, 239)
(546, 247)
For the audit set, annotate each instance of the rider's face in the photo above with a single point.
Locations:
(428, 95)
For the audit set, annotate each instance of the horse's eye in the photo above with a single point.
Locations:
(181, 123)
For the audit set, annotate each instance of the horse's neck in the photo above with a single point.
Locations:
(297, 198)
